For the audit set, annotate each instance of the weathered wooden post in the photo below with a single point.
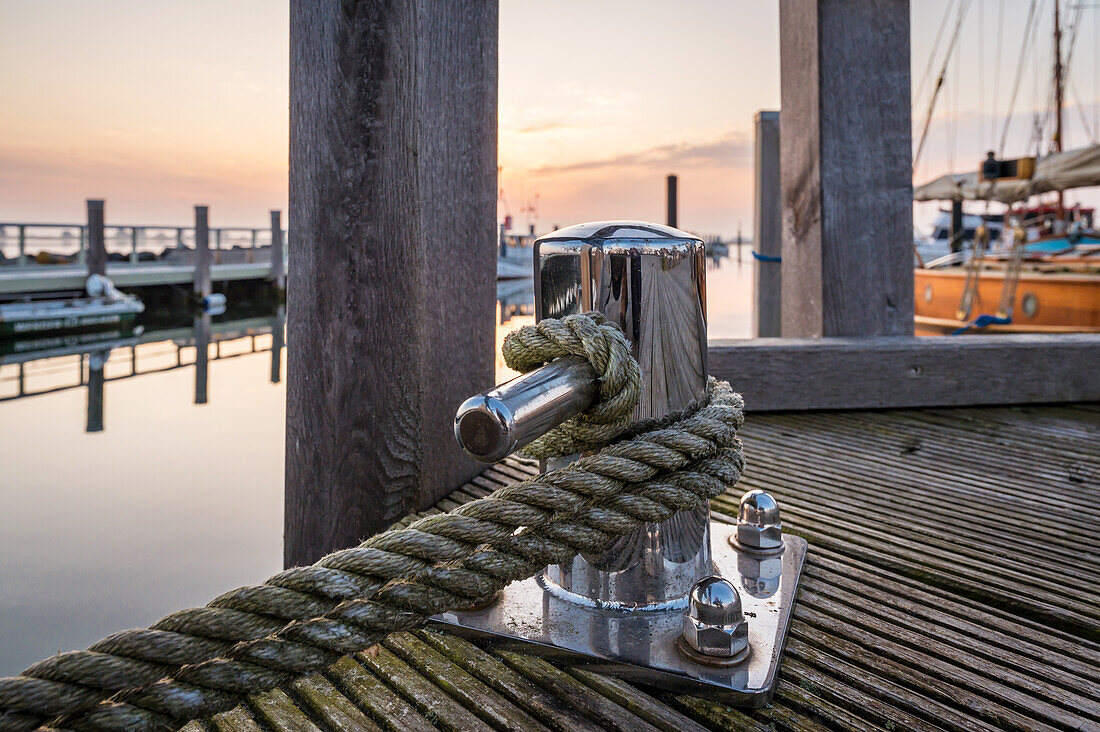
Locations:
(846, 168)
(671, 201)
(277, 328)
(202, 285)
(393, 197)
(22, 259)
(97, 246)
(201, 330)
(133, 245)
(767, 229)
(278, 270)
(94, 416)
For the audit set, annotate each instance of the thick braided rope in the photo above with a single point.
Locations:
(198, 662)
(605, 347)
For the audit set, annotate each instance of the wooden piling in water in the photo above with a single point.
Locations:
(846, 168)
(202, 285)
(97, 245)
(393, 198)
(278, 270)
(201, 330)
(767, 229)
(671, 202)
(94, 421)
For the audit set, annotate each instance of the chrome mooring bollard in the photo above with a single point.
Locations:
(687, 604)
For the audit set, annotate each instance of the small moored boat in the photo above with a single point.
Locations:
(104, 308)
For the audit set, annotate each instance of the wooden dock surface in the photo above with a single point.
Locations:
(951, 583)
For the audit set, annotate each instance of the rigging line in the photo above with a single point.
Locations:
(1089, 130)
(997, 72)
(981, 64)
(1028, 30)
(935, 50)
(963, 7)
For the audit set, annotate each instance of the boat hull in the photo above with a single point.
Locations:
(1044, 302)
(20, 320)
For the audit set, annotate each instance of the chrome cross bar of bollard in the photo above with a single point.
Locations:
(496, 423)
(681, 603)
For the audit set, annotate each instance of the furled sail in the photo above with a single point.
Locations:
(1058, 171)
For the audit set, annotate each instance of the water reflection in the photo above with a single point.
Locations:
(143, 473)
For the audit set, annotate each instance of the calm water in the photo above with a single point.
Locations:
(172, 502)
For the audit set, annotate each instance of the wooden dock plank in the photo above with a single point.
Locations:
(375, 698)
(431, 701)
(928, 602)
(330, 706)
(459, 684)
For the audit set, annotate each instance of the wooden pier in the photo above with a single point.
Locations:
(50, 257)
(952, 583)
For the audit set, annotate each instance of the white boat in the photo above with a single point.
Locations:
(104, 308)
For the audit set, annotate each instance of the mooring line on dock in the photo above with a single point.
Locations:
(199, 662)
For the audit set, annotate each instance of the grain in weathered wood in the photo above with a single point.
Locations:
(236, 719)
(926, 481)
(1012, 624)
(767, 236)
(637, 702)
(431, 701)
(872, 531)
(275, 709)
(459, 684)
(982, 696)
(97, 244)
(393, 199)
(202, 284)
(489, 669)
(375, 698)
(846, 168)
(716, 716)
(890, 507)
(595, 706)
(1052, 608)
(877, 683)
(810, 706)
(826, 687)
(1031, 675)
(798, 374)
(905, 505)
(993, 676)
(328, 705)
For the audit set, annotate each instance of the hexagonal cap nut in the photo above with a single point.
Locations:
(715, 625)
(758, 523)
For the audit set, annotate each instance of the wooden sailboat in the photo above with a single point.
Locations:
(1045, 276)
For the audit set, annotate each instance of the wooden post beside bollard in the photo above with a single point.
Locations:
(767, 229)
(97, 245)
(278, 258)
(393, 129)
(202, 286)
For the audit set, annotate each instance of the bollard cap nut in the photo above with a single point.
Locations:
(714, 624)
(758, 523)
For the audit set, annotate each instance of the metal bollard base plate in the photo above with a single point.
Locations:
(643, 646)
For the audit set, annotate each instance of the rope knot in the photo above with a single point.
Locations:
(601, 343)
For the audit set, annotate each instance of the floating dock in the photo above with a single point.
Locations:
(935, 596)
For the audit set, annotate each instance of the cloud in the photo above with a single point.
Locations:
(733, 148)
(545, 126)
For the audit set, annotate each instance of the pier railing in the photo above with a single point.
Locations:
(27, 244)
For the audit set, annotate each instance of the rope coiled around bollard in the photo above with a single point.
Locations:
(202, 661)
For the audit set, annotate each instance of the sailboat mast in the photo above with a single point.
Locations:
(1056, 142)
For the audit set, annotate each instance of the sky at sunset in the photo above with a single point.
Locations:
(156, 106)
